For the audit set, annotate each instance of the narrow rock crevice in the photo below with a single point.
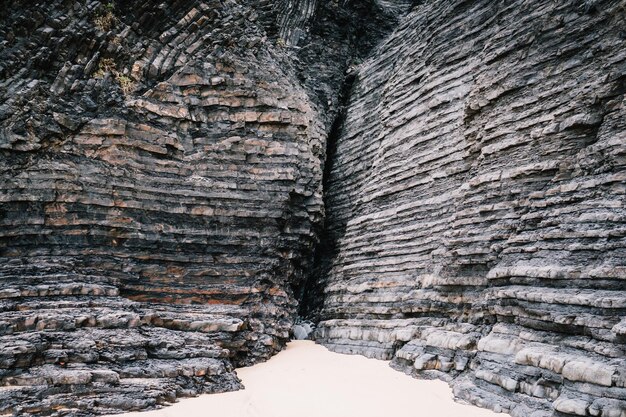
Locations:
(311, 298)
(439, 184)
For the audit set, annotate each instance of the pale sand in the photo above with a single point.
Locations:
(307, 380)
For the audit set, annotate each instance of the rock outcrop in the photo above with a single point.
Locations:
(160, 185)
(476, 205)
(164, 181)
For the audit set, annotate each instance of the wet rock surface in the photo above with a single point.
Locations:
(475, 206)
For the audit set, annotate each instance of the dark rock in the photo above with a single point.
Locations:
(437, 183)
(475, 206)
(161, 191)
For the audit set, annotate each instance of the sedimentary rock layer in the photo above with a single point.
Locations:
(161, 183)
(160, 187)
(161, 172)
(476, 205)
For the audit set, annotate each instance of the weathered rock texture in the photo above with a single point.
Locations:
(160, 184)
(476, 205)
(152, 156)
(161, 175)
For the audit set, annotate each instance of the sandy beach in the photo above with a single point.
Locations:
(307, 380)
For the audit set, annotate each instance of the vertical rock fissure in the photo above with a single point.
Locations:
(361, 27)
(311, 297)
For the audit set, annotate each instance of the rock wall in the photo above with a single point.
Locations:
(161, 190)
(161, 186)
(162, 167)
(476, 205)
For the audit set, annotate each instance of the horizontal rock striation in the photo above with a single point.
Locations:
(75, 348)
(161, 190)
(161, 175)
(475, 205)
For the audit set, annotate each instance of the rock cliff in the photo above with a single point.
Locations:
(476, 205)
(161, 186)
(161, 183)
(437, 183)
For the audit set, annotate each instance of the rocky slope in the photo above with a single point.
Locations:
(476, 205)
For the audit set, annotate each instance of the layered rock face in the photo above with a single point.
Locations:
(162, 168)
(161, 183)
(476, 205)
(160, 179)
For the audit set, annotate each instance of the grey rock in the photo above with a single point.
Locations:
(473, 198)
(162, 204)
(299, 332)
(161, 171)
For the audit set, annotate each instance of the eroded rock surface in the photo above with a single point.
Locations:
(162, 168)
(161, 189)
(476, 205)
(161, 183)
